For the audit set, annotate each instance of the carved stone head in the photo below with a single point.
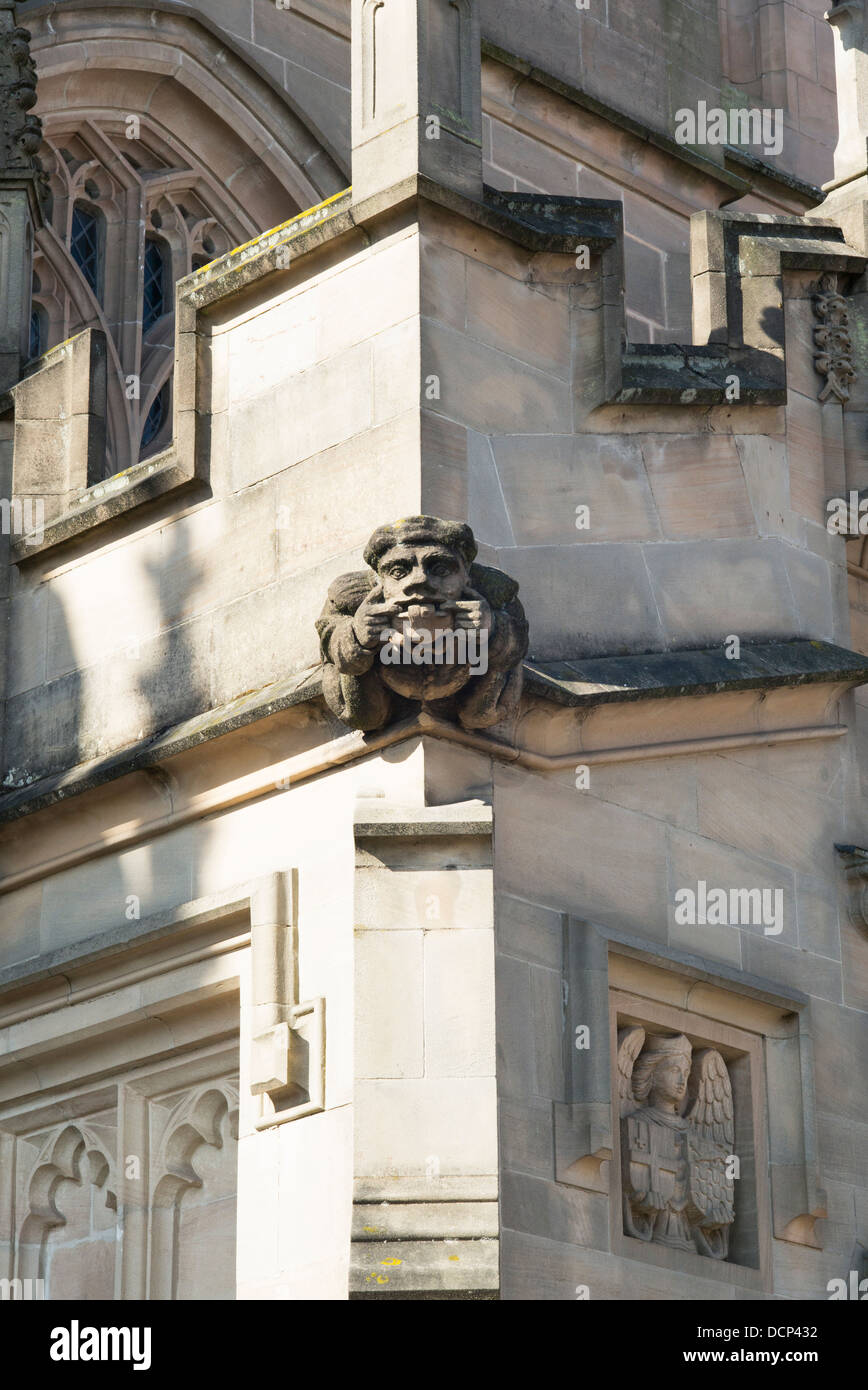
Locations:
(663, 1070)
(422, 560)
(424, 625)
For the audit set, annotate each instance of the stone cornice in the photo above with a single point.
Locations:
(584, 683)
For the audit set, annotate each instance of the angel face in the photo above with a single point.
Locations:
(670, 1080)
(421, 574)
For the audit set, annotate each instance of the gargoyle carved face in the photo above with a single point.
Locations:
(415, 573)
(424, 624)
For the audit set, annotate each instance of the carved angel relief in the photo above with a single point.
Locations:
(676, 1187)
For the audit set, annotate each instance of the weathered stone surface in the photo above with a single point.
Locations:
(454, 902)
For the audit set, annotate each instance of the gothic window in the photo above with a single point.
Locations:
(155, 418)
(154, 301)
(84, 244)
(133, 218)
(146, 165)
(37, 331)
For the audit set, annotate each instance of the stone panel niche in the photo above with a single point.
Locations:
(689, 1098)
(738, 1055)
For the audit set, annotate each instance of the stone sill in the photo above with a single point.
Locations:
(150, 752)
(375, 822)
(160, 476)
(672, 374)
(580, 683)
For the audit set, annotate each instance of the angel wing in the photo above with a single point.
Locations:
(630, 1044)
(711, 1137)
(710, 1090)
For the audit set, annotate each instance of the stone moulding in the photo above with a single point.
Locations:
(583, 682)
(73, 1023)
(598, 959)
(835, 672)
(293, 771)
(288, 1046)
(737, 263)
(143, 1018)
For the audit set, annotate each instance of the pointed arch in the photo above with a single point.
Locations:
(206, 1117)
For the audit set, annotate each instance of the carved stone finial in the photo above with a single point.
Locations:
(676, 1188)
(417, 95)
(424, 623)
(848, 23)
(20, 131)
(832, 336)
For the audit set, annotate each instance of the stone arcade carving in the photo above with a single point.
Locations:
(424, 623)
(676, 1189)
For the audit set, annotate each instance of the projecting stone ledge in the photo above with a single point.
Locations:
(760, 666)
(579, 683)
(671, 374)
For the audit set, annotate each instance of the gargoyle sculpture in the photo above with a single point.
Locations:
(676, 1187)
(424, 623)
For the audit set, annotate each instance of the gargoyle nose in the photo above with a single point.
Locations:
(417, 580)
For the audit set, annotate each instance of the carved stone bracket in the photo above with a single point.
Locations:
(832, 337)
(856, 872)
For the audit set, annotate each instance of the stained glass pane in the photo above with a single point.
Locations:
(36, 348)
(154, 304)
(154, 419)
(84, 245)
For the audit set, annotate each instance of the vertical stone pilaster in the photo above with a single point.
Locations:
(131, 1276)
(425, 1199)
(848, 22)
(846, 203)
(417, 104)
